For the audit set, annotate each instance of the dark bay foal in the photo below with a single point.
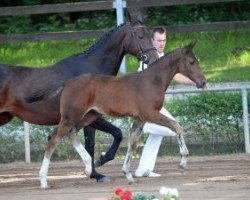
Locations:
(139, 95)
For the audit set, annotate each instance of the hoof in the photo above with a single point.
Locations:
(130, 178)
(103, 180)
(130, 182)
(45, 187)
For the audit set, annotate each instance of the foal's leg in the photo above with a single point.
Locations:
(86, 158)
(89, 134)
(160, 119)
(183, 151)
(54, 140)
(134, 136)
(182, 146)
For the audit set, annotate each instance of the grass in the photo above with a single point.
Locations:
(224, 56)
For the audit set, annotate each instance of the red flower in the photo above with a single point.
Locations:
(118, 191)
(124, 194)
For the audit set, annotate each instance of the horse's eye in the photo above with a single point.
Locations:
(140, 37)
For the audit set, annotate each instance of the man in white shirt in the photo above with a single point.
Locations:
(156, 132)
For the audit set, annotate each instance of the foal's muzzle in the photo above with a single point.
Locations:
(201, 84)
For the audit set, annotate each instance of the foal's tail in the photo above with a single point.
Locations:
(45, 93)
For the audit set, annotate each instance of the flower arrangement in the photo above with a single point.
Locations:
(165, 192)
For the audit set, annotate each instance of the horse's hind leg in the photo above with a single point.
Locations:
(135, 133)
(105, 126)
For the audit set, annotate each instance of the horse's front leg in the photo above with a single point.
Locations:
(134, 136)
(89, 134)
(105, 126)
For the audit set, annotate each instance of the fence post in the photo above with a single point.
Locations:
(118, 5)
(245, 119)
(27, 141)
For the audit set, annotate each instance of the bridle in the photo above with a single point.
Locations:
(142, 53)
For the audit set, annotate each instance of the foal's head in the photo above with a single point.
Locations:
(189, 66)
(139, 41)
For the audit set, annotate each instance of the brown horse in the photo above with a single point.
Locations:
(19, 84)
(139, 95)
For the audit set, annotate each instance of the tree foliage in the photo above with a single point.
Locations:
(168, 15)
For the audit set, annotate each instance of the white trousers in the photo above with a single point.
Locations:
(153, 143)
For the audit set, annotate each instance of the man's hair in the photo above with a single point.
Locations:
(160, 30)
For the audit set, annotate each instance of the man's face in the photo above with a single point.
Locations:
(159, 42)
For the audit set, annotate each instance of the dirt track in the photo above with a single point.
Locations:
(213, 178)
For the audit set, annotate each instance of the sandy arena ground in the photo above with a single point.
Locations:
(206, 178)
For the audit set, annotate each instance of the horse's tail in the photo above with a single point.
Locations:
(46, 93)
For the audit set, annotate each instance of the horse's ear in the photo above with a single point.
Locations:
(192, 44)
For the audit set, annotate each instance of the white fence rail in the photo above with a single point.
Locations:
(245, 114)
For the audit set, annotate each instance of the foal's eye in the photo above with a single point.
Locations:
(140, 37)
(192, 62)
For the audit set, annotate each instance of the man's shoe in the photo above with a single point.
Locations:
(146, 173)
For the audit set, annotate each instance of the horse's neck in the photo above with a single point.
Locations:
(105, 56)
(163, 71)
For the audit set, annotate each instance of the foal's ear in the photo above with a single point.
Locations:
(131, 18)
(192, 44)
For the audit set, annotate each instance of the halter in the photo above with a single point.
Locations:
(142, 56)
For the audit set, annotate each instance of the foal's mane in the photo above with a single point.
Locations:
(173, 55)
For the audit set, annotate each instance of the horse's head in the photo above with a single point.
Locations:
(138, 41)
(189, 66)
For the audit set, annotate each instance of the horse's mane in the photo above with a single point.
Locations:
(99, 41)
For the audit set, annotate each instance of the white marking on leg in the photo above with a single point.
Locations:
(44, 172)
(182, 145)
(183, 151)
(85, 156)
(183, 162)
(126, 166)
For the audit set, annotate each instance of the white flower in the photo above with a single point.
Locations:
(169, 191)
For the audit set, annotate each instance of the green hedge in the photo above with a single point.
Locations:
(212, 121)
